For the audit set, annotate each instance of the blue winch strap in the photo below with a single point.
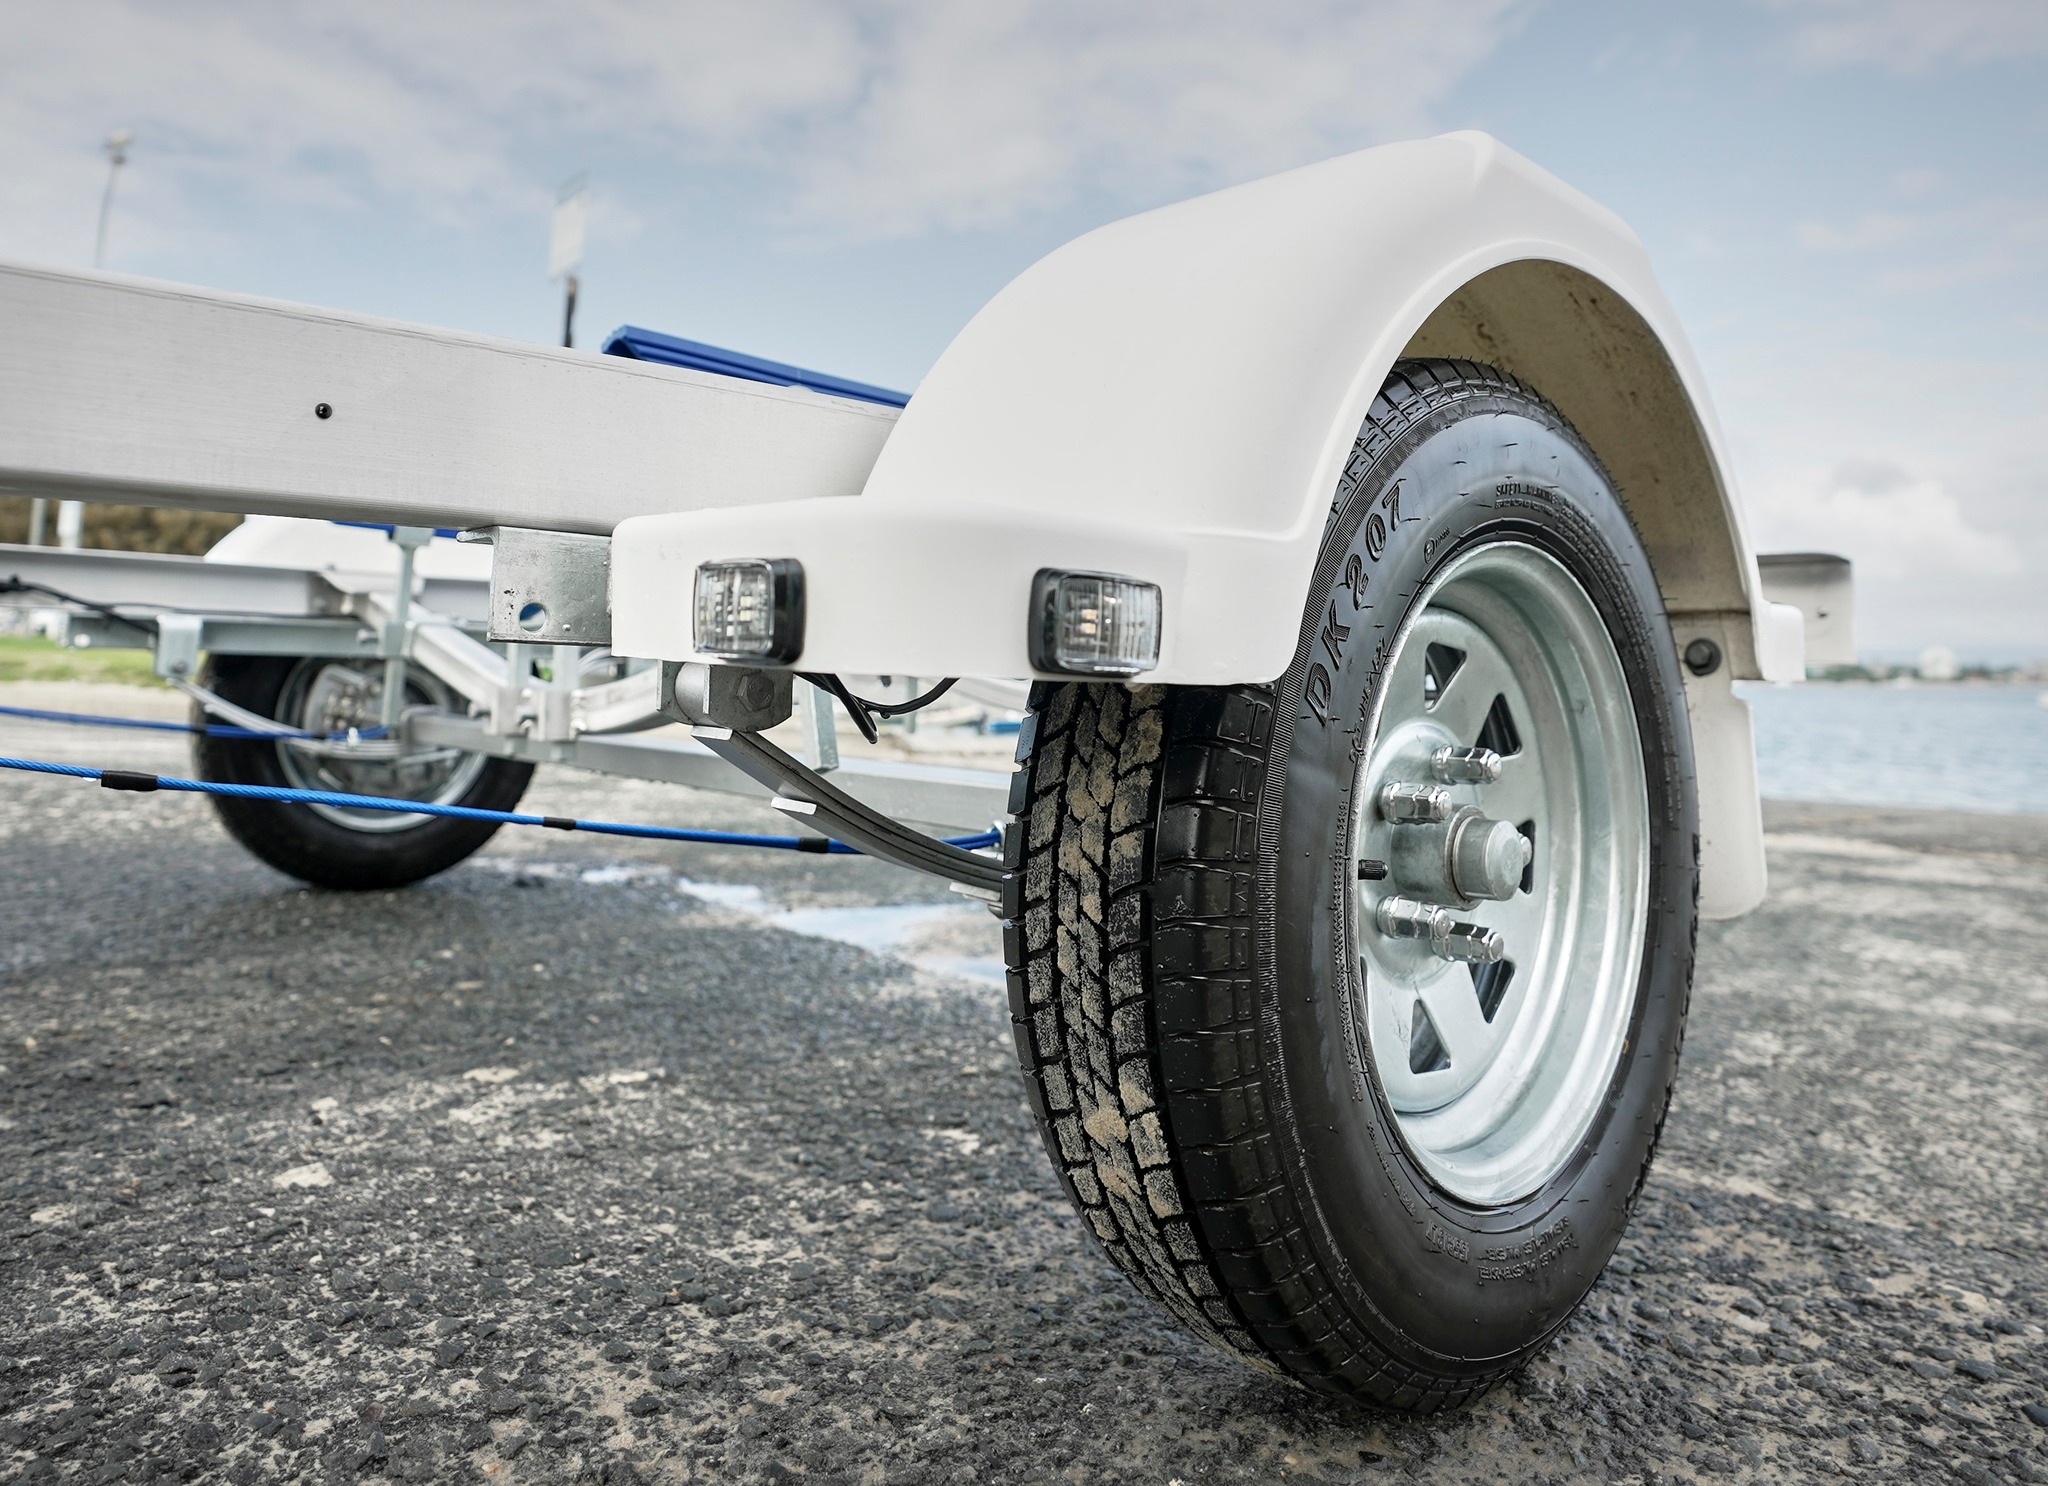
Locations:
(124, 779)
(672, 350)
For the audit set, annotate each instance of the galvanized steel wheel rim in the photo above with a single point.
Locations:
(1493, 1106)
(327, 697)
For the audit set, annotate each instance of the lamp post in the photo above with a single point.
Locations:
(71, 513)
(565, 246)
(117, 156)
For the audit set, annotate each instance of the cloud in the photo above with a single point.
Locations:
(1908, 36)
(972, 113)
(1892, 522)
(866, 117)
(439, 109)
(1872, 230)
(1939, 248)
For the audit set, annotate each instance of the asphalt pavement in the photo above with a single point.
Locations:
(598, 1160)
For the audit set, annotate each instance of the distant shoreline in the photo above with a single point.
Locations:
(2022, 681)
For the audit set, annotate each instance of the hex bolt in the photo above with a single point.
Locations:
(1405, 918)
(1415, 804)
(1474, 943)
(1465, 765)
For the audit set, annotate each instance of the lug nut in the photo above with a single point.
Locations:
(1415, 804)
(1471, 942)
(1405, 918)
(1465, 765)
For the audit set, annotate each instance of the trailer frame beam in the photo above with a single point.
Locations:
(123, 389)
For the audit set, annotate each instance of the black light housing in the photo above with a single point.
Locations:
(1093, 624)
(751, 609)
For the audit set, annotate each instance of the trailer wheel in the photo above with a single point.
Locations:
(334, 846)
(1326, 1128)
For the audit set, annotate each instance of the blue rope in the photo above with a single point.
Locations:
(211, 729)
(35, 766)
(87, 719)
(388, 529)
(123, 779)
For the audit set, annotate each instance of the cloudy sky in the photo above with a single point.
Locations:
(1847, 199)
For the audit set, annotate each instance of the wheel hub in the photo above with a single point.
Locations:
(1501, 869)
(332, 699)
(1452, 852)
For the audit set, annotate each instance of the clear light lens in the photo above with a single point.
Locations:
(1098, 625)
(747, 609)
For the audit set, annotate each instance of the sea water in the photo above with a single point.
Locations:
(1947, 747)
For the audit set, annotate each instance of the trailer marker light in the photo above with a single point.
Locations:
(1093, 624)
(752, 609)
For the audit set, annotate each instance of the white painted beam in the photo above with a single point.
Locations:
(130, 390)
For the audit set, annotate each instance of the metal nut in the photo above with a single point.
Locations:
(1415, 804)
(1405, 918)
(737, 697)
(1470, 942)
(1465, 765)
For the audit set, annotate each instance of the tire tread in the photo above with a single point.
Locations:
(1135, 1006)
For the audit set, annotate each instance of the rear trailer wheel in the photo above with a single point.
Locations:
(1350, 1005)
(333, 845)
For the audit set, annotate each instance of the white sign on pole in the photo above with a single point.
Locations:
(565, 241)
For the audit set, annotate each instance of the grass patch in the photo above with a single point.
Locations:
(33, 658)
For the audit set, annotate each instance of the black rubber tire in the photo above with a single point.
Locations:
(309, 846)
(1176, 950)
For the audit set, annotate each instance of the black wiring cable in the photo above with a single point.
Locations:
(855, 708)
(19, 584)
(899, 708)
(864, 712)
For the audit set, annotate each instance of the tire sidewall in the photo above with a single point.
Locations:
(313, 847)
(1456, 1287)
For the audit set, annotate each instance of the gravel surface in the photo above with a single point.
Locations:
(610, 1161)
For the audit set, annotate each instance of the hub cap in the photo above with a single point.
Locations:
(1502, 868)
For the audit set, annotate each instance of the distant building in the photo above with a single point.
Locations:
(1938, 663)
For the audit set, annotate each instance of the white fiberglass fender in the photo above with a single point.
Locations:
(1173, 398)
